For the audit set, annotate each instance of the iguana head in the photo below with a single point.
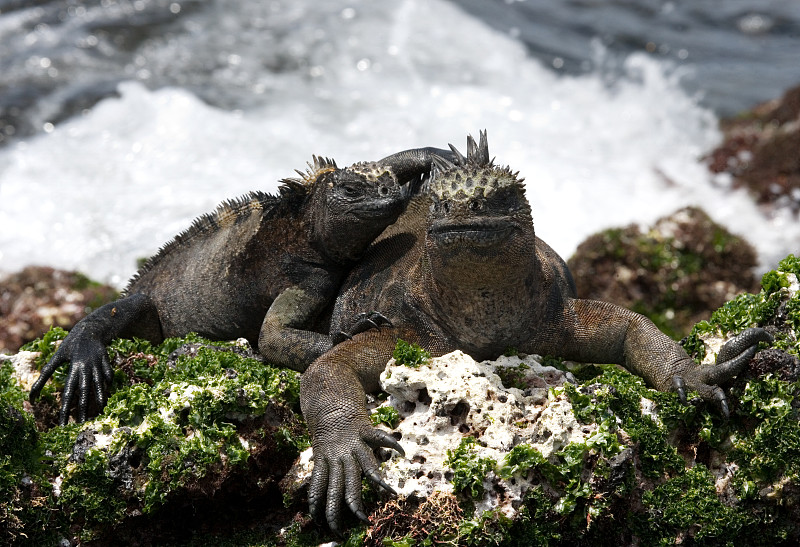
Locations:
(348, 208)
(479, 215)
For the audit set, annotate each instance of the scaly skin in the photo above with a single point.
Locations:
(463, 269)
(261, 267)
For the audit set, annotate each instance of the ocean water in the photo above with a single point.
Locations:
(125, 120)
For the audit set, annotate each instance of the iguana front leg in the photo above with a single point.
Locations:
(332, 398)
(284, 340)
(85, 350)
(600, 332)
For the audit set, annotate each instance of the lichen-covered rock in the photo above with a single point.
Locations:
(760, 151)
(194, 430)
(676, 272)
(39, 297)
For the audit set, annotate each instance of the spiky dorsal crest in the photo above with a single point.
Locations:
(473, 175)
(300, 186)
(227, 215)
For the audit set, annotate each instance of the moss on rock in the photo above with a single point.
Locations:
(676, 272)
(192, 427)
(197, 436)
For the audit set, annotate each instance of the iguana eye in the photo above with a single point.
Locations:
(350, 191)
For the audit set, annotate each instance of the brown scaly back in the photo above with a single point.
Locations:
(475, 175)
(293, 193)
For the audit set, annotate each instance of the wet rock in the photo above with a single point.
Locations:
(760, 152)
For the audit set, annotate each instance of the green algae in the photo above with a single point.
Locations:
(574, 502)
(386, 415)
(173, 420)
(469, 470)
(410, 354)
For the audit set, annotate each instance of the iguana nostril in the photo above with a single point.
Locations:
(384, 191)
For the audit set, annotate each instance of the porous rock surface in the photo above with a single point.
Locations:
(455, 396)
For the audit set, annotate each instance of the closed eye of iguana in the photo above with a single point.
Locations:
(260, 267)
(463, 269)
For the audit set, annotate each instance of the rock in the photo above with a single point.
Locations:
(201, 440)
(195, 431)
(676, 272)
(36, 298)
(760, 151)
(454, 398)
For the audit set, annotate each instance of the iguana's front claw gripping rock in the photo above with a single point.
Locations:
(361, 323)
(89, 373)
(731, 359)
(339, 462)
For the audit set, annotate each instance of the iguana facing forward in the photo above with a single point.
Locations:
(260, 267)
(463, 269)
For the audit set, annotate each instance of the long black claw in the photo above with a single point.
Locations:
(680, 387)
(341, 336)
(722, 401)
(335, 530)
(372, 323)
(377, 479)
(380, 438)
(362, 516)
(380, 320)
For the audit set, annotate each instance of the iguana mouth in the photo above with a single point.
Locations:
(387, 209)
(478, 233)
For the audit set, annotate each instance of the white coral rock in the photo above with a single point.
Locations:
(453, 397)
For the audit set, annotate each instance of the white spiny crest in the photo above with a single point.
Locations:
(473, 175)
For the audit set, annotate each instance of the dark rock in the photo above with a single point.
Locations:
(36, 298)
(761, 151)
(676, 272)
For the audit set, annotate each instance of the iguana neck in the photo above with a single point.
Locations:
(483, 308)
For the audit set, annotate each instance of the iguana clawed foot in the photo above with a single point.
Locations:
(89, 373)
(361, 323)
(337, 473)
(731, 359)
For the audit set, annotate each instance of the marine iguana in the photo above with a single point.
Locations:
(261, 267)
(463, 269)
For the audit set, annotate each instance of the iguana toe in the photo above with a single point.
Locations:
(363, 322)
(379, 438)
(333, 505)
(680, 387)
(743, 342)
(722, 401)
(317, 489)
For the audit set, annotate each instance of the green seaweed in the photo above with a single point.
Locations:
(469, 470)
(410, 354)
(688, 505)
(386, 415)
(173, 415)
(513, 376)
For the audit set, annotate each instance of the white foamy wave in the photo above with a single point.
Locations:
(111, 186)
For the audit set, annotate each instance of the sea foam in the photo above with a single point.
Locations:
(110, 186)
